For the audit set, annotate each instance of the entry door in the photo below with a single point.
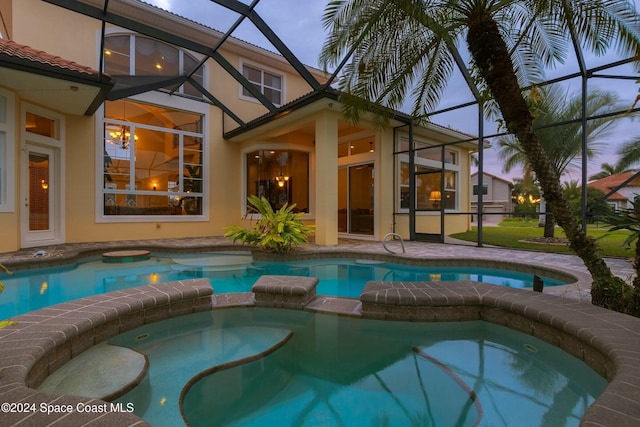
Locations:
(41, 207)
(356, 199)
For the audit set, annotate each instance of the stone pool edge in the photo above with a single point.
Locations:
(43, 340)
(607, 341)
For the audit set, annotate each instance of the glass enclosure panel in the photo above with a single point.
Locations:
(39, 219)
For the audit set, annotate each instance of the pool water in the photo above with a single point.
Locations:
(341, 371)
(30, 290)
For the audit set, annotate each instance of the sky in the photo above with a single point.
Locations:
(299, 25)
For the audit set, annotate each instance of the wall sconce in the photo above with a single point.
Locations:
(281, 179)
(154, 186)
(44, 184)
(371, 150)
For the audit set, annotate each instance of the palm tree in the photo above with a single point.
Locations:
(608, 170)
(407, 49)
(563, 144)
(629, 153)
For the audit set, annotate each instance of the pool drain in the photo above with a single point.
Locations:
(531, 348)
(142, 337)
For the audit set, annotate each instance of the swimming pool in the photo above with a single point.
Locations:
(30, 290)
(342, 371)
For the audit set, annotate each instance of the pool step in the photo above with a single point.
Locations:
(103, 372)
(126, 256)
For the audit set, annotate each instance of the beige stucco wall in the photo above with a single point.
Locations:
(34, 24)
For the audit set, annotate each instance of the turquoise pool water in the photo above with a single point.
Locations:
(30, 290)
(339, 371)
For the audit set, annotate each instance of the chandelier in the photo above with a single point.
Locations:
(281, 179)
(121, 136)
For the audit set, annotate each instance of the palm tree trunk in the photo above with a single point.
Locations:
(492, 58)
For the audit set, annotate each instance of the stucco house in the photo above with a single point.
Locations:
(496, 197)
(135, 123)
(623, 197)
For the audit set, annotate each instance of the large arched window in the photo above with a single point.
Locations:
(134, 55)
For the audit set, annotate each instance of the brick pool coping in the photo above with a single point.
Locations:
(607, 341)
(45, 339)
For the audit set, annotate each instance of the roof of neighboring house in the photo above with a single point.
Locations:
(506, 181)
(610, 182)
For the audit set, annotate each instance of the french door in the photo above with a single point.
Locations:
(40, 196)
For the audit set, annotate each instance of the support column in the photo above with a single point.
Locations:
(326, 179)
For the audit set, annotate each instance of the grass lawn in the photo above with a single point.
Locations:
(511, 236)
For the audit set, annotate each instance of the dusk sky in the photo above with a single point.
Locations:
(299, 26)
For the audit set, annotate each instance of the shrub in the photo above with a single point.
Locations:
(276, 231)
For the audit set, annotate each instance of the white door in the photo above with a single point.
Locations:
(40, 196)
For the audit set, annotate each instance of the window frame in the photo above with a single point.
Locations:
(277, 146)
(162, 100)
(181, 62)
(437, 166)
(8, 154)
(262, 68)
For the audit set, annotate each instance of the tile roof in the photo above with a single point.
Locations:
(19, 51)
(610, 182)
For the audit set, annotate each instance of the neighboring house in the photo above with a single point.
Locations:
(623, 197)
(175, 131)
(496, 197)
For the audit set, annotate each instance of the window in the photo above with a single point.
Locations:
(281, 176)
(140, 56)
(485, 189)
(269, 84)
(153, 160)
(7, 153)
(436, 182)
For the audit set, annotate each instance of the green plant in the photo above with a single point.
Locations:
(629, 220)
(276, 231)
